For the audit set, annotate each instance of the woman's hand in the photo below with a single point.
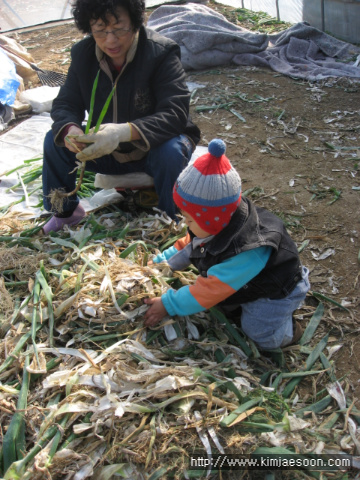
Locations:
(104, 141)
(70, 140)
(155, 312)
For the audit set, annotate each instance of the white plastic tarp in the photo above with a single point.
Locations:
(16, 14)
(25, 142)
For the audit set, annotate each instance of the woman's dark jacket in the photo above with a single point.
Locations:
(249, 228)
(151, 92)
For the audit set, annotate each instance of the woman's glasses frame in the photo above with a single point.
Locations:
(118, 32)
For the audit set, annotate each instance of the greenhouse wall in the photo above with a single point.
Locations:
(340, 18)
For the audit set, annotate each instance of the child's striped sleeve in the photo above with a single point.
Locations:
(222, 281)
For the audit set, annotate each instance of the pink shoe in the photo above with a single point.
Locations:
(55, 223)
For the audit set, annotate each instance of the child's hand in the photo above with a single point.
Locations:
(150, 262)
(155, 312)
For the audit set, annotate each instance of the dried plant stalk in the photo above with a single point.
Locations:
(6, 302)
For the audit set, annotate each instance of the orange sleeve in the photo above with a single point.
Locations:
(209, 291)
(182, 242)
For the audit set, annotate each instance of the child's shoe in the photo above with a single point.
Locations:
(56, 223)
(297, 333)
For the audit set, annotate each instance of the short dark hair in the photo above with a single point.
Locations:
(85, 11)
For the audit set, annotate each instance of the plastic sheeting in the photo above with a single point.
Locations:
(286, 10)
(9, 80)
(16, 14)
(22, 13)
(24, 142)
(336, 17)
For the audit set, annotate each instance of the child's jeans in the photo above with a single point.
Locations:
(269, 322)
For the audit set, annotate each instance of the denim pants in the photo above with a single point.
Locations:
(164, 163)
(269, 322)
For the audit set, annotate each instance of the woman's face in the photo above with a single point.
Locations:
(115, 36)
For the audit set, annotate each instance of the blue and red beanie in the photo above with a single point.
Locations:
(209, 189)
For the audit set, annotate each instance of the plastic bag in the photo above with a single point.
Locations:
(128, 180)
(40, 98)
(9, 81)
(19, 55)
(105, 197)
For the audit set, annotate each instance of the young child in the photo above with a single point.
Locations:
(248, 264)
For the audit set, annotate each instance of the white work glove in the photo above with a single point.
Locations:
(104, 141)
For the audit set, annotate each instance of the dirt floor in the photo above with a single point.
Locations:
(296, 146)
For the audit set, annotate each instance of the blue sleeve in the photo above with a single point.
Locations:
(239, 270)
(177, 259)
(165, 255)
(180, 302)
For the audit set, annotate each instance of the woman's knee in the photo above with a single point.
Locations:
(48, 142)
(174, 154)
(57, 157)
(52, 152)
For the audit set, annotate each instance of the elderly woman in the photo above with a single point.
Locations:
(147, 127)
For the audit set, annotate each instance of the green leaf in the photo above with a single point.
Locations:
(125, 470)
(316, 407)
(104, 109)
(131, 248)
(14, 439)
(314, 355)
(232, 331)
(334, 302)
(158, 473)
(48, 294)
(92, 102)
(312, 325)
(227, 421)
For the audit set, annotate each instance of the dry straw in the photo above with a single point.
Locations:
(83, 382)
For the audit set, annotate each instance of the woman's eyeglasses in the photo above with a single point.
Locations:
(118, 32)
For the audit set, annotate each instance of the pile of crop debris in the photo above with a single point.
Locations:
(88, 392)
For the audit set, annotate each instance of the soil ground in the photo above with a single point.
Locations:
(296, 146)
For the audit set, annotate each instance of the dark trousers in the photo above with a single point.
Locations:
(164, 163)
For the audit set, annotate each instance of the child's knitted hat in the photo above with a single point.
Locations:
(209, 189)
